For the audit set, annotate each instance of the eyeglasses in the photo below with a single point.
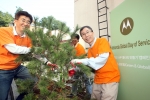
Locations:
(25, 21)
(83, 34)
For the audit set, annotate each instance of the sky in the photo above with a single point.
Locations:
(62, 10)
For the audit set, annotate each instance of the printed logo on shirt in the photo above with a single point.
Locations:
(126, 26)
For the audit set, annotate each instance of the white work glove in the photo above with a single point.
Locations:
(76, 61)
(79, 61)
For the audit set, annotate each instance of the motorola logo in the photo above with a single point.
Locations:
(126, 26)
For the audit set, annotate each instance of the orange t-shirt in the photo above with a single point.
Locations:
(7, 59)
(109, 72)
(79, 49)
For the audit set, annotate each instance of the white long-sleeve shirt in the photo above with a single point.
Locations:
(95, 63)
(15, 49)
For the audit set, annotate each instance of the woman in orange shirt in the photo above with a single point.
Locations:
(80, 50)
(102, 60)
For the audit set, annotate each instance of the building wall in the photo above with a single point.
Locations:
(86, 13)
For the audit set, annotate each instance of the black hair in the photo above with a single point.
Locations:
(25, 13)
(75, 36)
(85, 27)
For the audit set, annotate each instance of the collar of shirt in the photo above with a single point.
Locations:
(15, 33)
(93, 42)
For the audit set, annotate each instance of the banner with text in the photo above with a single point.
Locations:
(130, 42)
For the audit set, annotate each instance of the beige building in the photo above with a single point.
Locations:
(95, 13)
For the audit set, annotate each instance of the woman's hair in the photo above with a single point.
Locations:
(75, 36)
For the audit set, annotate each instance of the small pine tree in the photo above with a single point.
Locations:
(51, 84)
